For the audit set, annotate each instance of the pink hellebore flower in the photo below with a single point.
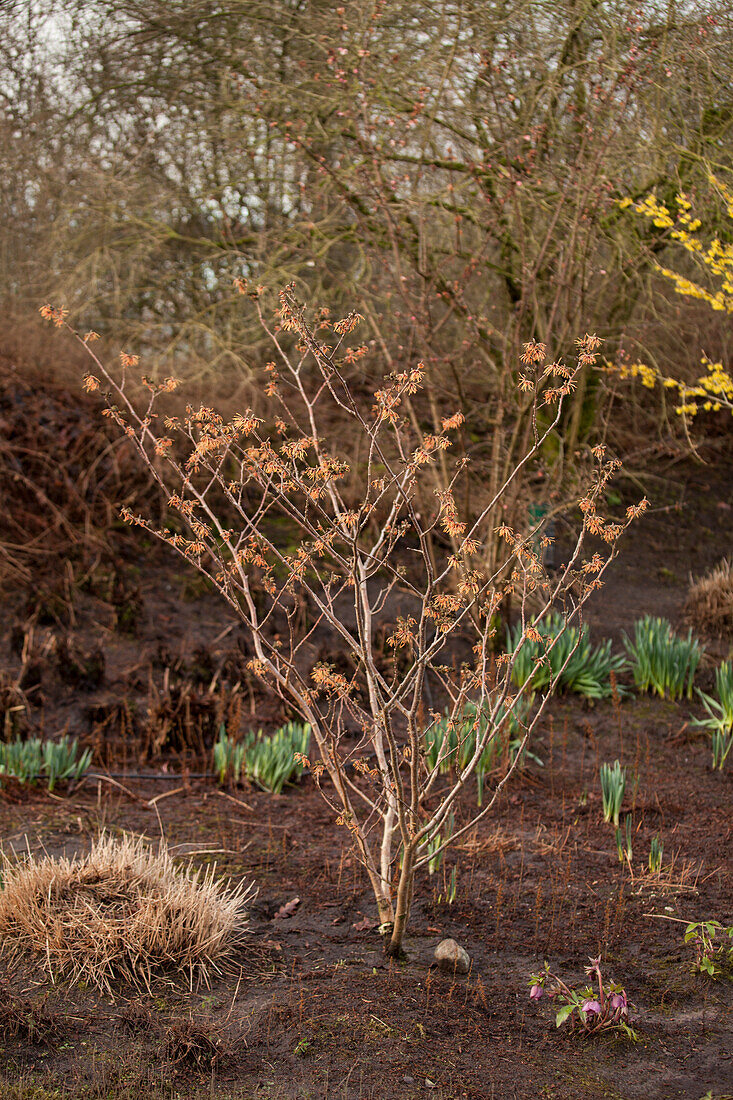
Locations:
(619, 1003)
(595, 966)
(591, 1008)
(536, 992)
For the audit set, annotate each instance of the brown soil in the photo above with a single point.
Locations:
(314, 1010)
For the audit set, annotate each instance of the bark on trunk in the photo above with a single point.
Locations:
(394, 947)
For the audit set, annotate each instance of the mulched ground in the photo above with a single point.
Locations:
(313, 1009)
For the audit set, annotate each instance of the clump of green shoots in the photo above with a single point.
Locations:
(54, 761)
(624, 844)
(62, 762)
(719, 710)
(273, 761)
(656, 851)
(436, 844)
(662, 661)
(268, 761)
(721, 744)
(613, 786)
(450, 743)
(572, 664)
(228, 758)
(436, 851)
(21, 760)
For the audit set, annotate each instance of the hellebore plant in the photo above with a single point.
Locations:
(708, 938)
(586, 1010)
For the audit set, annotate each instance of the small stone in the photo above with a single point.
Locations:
(450, 956)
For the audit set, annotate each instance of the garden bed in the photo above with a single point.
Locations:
(314, 1009)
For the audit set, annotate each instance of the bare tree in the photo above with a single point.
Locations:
(365, 566)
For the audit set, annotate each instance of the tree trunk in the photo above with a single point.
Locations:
(393, 948)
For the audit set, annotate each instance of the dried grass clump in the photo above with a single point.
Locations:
(709, 604)
(122, 911)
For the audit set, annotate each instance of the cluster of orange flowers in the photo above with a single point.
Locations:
(404, 632)
(56, 316)
(333, 683)
(442, 609)
(449, 520)
(389, 399)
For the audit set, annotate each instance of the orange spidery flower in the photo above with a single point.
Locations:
(611, 532)
(593, 565)
(296, 448)
(452, 422)
(353, 355)
(348, 323)
(636, 510)
(454, 527)
(470, 585)
(91, 384)
(412, 381)
(128, 360)
(56, 316)
(403, 633)
(245, 423)
(558, 370)
(534, 352)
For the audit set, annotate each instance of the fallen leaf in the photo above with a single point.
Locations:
(287, 909)
(365, 925)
